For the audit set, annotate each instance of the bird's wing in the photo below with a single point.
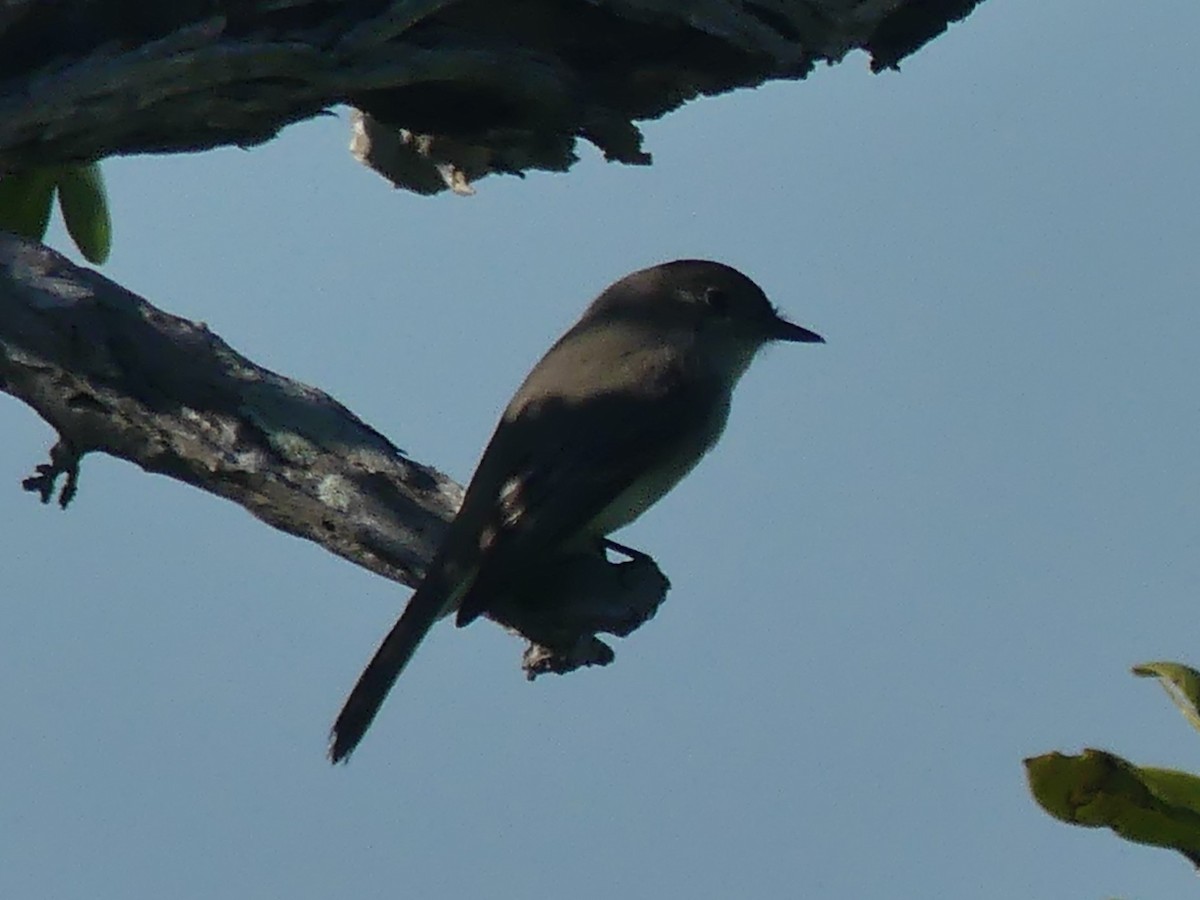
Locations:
(550, 492)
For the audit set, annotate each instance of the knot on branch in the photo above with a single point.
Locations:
(575, 598)
(64, 460)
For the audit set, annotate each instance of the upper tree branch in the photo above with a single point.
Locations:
(477, 85)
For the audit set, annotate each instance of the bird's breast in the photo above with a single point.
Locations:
(659, 479)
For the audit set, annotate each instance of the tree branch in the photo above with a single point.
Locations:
(112, 374)
(477, 86)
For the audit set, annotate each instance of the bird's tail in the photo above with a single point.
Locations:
(427, 605)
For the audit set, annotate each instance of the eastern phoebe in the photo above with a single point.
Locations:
(615, 414)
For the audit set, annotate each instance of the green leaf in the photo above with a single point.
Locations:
(1181, 789)
(1160, 807)
(84, 205)
(25, 201)
(1182, 684)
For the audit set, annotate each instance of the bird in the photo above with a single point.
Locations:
(616, 412)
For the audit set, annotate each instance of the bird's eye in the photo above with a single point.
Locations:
(717, 300)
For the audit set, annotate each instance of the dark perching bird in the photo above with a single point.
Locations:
(618, 411)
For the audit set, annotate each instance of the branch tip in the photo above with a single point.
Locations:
(589, 650)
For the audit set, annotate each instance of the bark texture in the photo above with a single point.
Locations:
(462, 88)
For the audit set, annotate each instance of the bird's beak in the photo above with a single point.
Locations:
(783, 330)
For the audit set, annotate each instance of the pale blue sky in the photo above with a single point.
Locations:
(922, 552)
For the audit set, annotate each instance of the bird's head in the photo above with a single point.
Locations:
(729, 316)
